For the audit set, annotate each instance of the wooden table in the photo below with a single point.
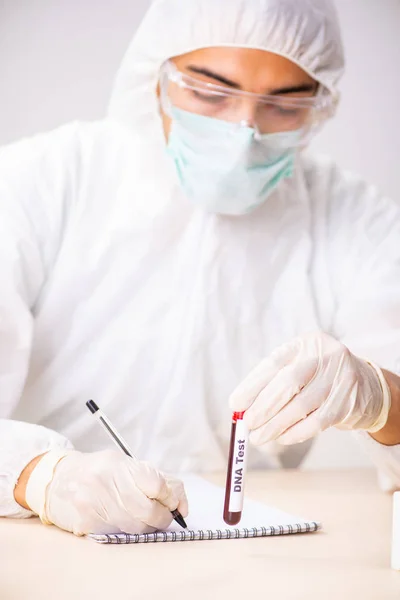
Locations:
(350, 559)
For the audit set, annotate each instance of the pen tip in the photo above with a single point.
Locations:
(183, 523)
(179, 519)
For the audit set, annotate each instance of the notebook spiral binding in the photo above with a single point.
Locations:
(191, 535)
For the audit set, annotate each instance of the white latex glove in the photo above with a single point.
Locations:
(308, 385)
(102, 492)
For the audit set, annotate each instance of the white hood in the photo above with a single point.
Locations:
(305, 31)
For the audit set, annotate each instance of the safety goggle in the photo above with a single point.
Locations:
(269, 113)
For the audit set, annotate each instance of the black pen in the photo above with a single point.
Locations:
(94, 409)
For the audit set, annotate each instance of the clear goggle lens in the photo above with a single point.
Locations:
(269, 114)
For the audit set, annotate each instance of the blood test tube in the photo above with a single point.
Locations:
(235, 477)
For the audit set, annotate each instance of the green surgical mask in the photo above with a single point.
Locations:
(228, 168)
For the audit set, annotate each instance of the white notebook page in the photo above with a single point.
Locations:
(206, 504)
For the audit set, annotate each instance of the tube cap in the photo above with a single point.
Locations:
(238, 416)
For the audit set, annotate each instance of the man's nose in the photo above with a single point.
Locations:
(248, 113)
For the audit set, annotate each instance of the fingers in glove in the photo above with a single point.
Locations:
(155, 485)
(294, 412)
(176, 493)
(166, 494)
(149, 516)
(302, 431)
(120, 505)
(171, 496)
(246, 393)
(284, 389)
(131, 504)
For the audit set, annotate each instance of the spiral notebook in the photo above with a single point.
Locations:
(205, 520)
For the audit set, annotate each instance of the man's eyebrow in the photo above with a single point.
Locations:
(211, 75)
(294, 89)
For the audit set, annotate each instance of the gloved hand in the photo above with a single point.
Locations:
(308, 385)
(102, 492)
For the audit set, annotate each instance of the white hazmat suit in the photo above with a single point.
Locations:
(114, 287)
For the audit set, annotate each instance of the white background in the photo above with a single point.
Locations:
(58, 59)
